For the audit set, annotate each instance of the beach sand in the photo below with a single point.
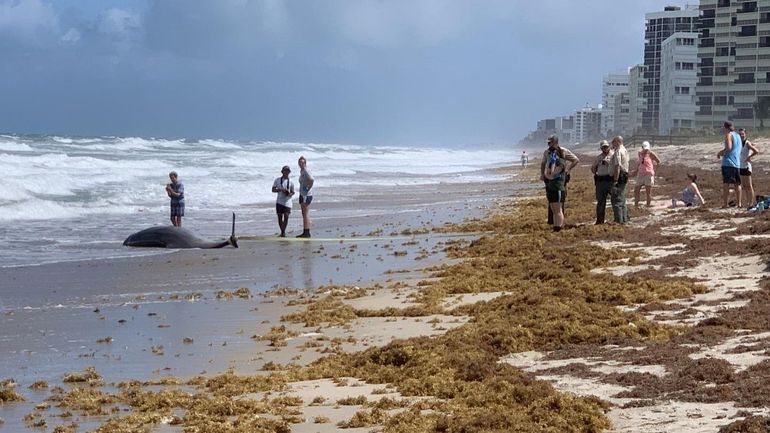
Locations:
(658, 326)
(143, 318)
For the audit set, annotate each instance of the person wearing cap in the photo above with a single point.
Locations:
(731, 165)
(285, 189)
(645, 173)
(570, 162)
(175, 191)
(619, 172)
(748, 151)
(602, 179)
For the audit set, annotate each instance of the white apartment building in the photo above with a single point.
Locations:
(658, 27)
(588, 122)
(613, 84)
(637, 103)
(622, 114)
(734, 61)
(678, 78)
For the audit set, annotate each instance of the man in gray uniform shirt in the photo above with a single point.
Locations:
(602, 179)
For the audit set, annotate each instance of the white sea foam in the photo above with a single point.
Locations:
(101, 182)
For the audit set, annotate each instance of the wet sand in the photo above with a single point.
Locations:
(147, 317)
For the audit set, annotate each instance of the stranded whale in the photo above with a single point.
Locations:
(175, 237)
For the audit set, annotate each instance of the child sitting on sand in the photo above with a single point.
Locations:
(691, 195)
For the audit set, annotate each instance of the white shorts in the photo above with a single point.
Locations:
(645, 180)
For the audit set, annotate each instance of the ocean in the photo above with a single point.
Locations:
(77, 198)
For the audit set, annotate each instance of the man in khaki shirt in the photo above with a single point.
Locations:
(553, 142)
(619, 172)
(602, 179)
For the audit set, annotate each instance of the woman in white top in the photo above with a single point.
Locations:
(748, 151)
(306, 182)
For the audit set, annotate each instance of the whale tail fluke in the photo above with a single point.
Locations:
(233, 240)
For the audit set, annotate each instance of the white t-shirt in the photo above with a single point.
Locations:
(283, 198)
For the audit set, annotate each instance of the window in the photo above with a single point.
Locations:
(720, 71)
(685, 90)
(678, 66)
(748, 7)
(748, 31)
(745, 78)
(688, 66)
(720, 100)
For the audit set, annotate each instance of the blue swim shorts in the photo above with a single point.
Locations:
(177, 209)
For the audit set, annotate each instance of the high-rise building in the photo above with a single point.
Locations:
(622, 114)
(659, 26)
(588, 122)
(613, 84)
(637, 103)
(678, 76)
(734, 61)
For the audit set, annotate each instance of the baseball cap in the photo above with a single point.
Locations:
(286, 168)
(604, 143)
(646, 145)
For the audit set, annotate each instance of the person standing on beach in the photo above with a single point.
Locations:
(619, 172)
(175, 191)
(748, 151)
(602, 179)
(306, 182)
(731, 165)
(645, 173)
(285, 189)
(524, 159)
(569, 157)
(555, 184)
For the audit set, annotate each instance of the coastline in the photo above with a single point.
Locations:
(115, 314)
(657, 326)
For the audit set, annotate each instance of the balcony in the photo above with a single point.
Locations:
(706, 81)
(723, 3)
(706, 43)
(748, 31)
(704, 111)
(748, 7)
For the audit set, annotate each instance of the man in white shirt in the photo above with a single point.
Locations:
(285, 189)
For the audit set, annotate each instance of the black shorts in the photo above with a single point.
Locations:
(305, 199)
(731, 175)
(745, 172)
(281, 209)
(555, 196)
(177, 209)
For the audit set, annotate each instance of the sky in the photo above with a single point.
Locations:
(397, 72)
